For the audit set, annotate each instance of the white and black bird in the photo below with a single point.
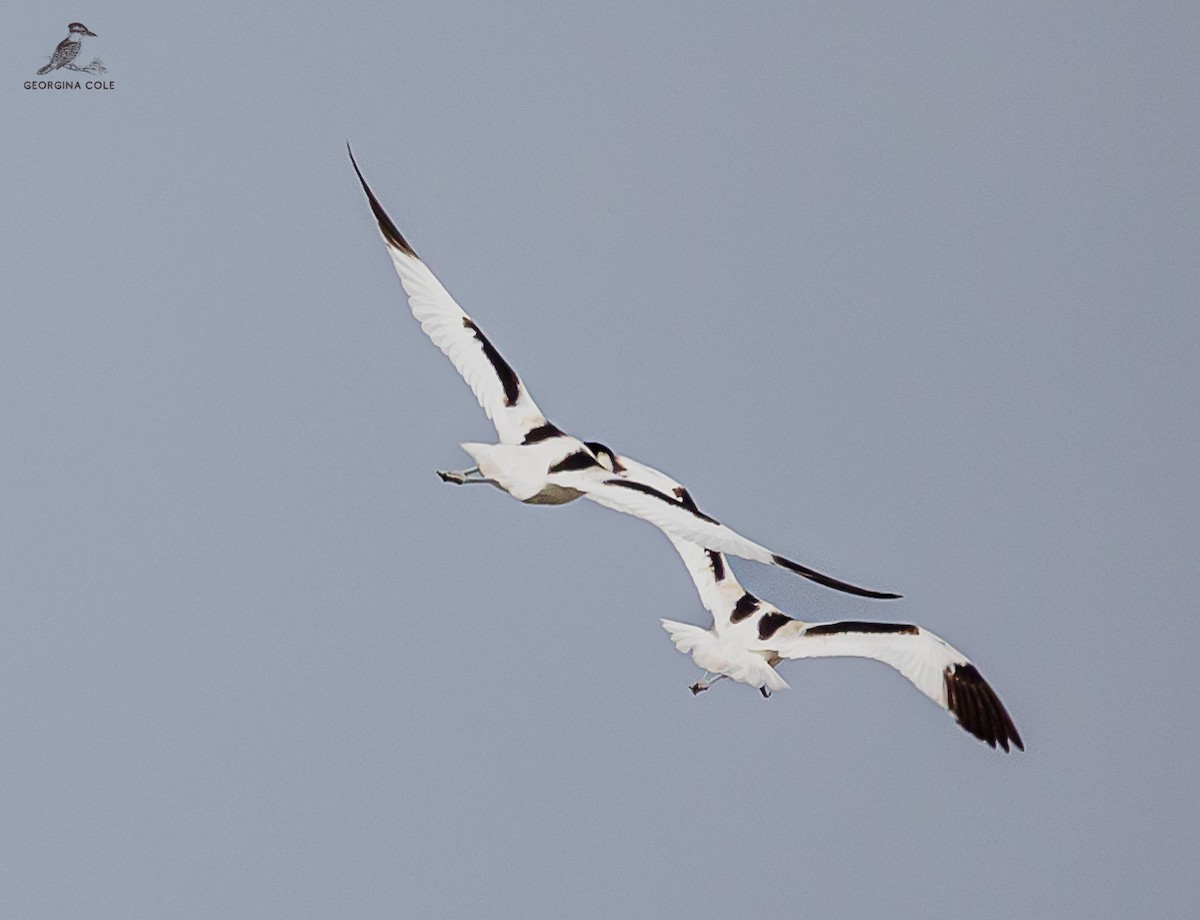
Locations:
(749, 637)
(534, 461)
(68, 49)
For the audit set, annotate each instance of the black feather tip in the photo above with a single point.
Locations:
(978, 709)
(386, 227)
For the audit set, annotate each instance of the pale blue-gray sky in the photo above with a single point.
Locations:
(906, 291)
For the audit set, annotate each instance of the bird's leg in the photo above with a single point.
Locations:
(464, 477)
(705, 682)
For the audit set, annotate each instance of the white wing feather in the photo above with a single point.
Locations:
(921, 657)
(454, 332)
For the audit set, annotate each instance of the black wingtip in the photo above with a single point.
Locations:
(386, 227)
(978, 709)
(833, 582)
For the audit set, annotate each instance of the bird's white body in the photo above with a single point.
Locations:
(534, 461)
(522, 471)
(727, 653)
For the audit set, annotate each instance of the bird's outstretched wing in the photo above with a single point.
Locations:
(645, 492)
(932, 665)
(491, 378)
(719, 590)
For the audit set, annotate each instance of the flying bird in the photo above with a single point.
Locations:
(536, 462)
(68, 49)
(749, 637)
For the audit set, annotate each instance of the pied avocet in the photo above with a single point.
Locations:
(749, 637)
(535, 461)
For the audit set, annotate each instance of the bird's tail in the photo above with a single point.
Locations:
(45, 69)
(502, 464)
(685, 636)
(744, 667)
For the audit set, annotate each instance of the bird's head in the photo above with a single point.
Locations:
(605, 457)
(78, 28)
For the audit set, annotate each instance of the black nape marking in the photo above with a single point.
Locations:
(857, 626)
(390, 233)
(650, 490)
(977, 707)
(597, 448)
(508, 377)
(831, 582)
(746, 605)
(718, 564)
(769, 625)
(580, 460)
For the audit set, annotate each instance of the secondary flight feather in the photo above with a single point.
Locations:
(536, 462)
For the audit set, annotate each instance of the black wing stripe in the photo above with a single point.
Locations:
(508, 377)
(746, 605)
(770, 624)
(859, 626)
(717, 563)
(650, 490)
(390, 233)
(541, 433)
(831, 582)
(580, 460)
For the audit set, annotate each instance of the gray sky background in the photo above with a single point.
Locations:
(907, 291)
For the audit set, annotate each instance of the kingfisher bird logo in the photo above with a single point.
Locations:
(68, 50)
